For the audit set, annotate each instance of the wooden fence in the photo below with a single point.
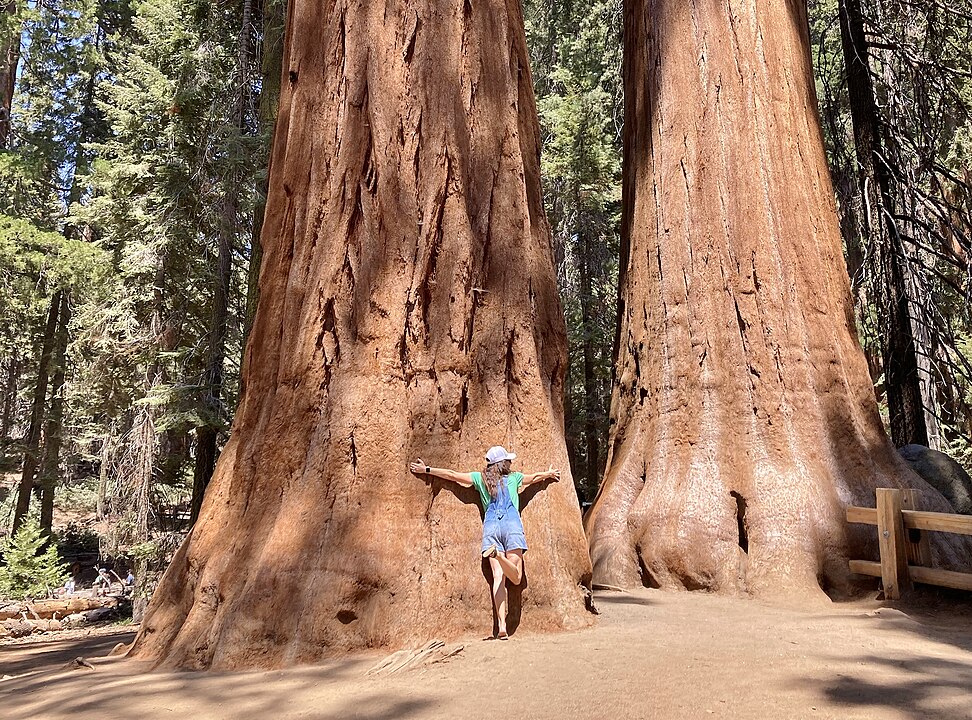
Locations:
(903, 541)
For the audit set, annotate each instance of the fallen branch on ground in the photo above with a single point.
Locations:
(433, 652)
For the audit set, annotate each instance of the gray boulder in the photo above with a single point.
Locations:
(942, 473)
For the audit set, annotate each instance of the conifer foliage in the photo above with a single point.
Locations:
(133, 165)
(575, 49)
(30, 570)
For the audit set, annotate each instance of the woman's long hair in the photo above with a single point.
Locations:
(494, 473)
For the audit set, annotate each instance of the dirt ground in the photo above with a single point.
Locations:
(651, 655)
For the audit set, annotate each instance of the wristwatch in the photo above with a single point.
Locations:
(428, 470)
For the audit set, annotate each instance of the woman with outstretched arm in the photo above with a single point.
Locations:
(503, 539)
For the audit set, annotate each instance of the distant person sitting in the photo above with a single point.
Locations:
(129, 579)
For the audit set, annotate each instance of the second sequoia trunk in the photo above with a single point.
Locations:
(743, 415)
(408, 307)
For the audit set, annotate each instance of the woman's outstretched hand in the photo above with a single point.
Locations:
(551, 475)
(417, 467)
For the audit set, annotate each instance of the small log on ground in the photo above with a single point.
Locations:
(18, 628)
(46, 609)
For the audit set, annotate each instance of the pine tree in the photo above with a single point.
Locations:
(159, 200)
(55, 117)
(29, 570)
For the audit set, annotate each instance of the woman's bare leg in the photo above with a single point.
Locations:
(512, 564)
(499, 594)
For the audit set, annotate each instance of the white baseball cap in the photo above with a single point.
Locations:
(498, 453)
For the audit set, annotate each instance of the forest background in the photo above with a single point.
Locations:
(134, 143)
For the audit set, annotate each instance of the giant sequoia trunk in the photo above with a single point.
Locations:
(744, 418)
(407, 308)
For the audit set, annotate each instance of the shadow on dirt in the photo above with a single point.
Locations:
(619, 598)
(931, 687)
(920, 684)
(87, 693)
(53, 654)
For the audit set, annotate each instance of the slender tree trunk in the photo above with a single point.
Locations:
(743, 416)
(571, 434)
(207, 436)
(104, 473)
(174, 445)
(591, 427)
(9, 59)
(408, 307)
(144, 437)
(852, 229)
(9, 396)
(50, 465)
(901, 374)
(32, 440)
(142, 466)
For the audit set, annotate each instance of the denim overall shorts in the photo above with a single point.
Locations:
(502, 525)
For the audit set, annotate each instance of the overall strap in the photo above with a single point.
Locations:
(505, 487)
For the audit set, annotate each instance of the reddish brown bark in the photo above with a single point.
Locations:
(408, 307)
(743, 415)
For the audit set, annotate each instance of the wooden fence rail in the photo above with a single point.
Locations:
(903, 542)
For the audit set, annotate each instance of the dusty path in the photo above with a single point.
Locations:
(52, 653)
(651, 655)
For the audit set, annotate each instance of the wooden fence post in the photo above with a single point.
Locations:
(892, 542)
(919, 549)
